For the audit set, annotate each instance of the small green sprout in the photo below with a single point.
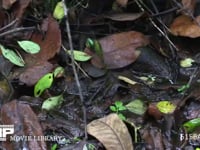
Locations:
(89, 146)
(183, 88)
(117, 108)
(54, 146)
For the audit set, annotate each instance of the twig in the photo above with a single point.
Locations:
(16, 30)
(156, 26)
(9, 25)
(79, 67)
(74, 68)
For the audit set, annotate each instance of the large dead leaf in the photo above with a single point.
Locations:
(50, 42)
(37, 64)
(119, 50)
(33, 73)
(25, 123)
(185, 26)
(111, 132)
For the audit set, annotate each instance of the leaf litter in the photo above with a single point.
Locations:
(134, 66)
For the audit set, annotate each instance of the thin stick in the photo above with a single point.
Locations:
(74, 69)
(16, 30)
(9, 25)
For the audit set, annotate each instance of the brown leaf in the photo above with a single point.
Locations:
(185, 26)
(124, 16)
(119, 50)
(122, 3)
(153, 111)
(20, 7)
(33, 73)
(188, 6)
(50, 43)
(25, 123)
(6, 4)
(111, 132)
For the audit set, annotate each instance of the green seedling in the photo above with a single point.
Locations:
(95, 46)
(54, 146)
(89, 146)
(183, 88)
(117, 108)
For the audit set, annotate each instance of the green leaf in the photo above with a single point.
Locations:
(121, 116)
(12, 56)
(187, 62)
(59, 11)
(94, 45)
(52, 103)
(80, 56)
(165, 107)
(54, 147)
(191, 125)
(113, 108)
(29, 46)
(183, 88)
(58, 71)
(136, 106)
(118, 104)
(44, 83)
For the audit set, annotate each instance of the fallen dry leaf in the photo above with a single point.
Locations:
(19, 8)
(25, 123)
(185, 26)
(33, 73)
(119, 50)
(50, 43)
(124, 16)
(111, 132)
(122, 3)
(188, 6)
(6, 4)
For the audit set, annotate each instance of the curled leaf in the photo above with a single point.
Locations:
(127, 80)
(12, 56)
(52, 103)
(29, 46)
(44, 83)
